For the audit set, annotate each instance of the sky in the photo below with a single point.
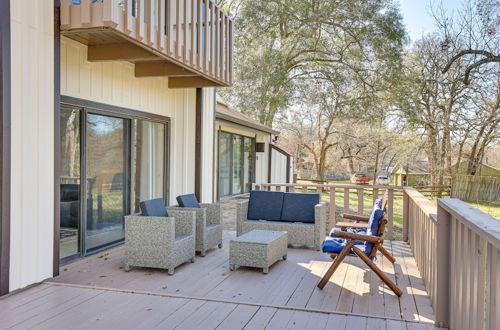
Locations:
(416, 15)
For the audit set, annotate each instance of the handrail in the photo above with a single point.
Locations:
(360, 190)
(457, 251)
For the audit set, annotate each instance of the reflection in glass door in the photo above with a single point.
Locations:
(106, 184)
(70, 182)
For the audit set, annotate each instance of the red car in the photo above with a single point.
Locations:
(360, 178)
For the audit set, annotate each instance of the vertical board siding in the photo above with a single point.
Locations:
(114, 83)
(207, 145)
(32, 174)
(278, 167)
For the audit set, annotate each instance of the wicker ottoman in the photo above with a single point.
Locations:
(258, 248)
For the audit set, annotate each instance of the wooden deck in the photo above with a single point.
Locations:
(96, 293)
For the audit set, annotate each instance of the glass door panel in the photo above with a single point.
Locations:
(248, 164)
(70, 182)
(106, 186)
(237, 163)
(224, 164)
(149, 161)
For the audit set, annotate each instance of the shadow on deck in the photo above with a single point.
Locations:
(95, 292)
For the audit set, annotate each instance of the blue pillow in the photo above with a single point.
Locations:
(153, 208)
(299, 207)
(189, 200)
(374, 223)
(265, 205)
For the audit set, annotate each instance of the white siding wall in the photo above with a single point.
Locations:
(278, 167)
(32, 167)
(262, 163)
(114, 83)
(207, 146)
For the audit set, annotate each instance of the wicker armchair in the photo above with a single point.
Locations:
(208, 226)
(160, 242)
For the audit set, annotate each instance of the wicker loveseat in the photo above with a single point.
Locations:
(302, 216)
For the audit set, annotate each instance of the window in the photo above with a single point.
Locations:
(236, 163)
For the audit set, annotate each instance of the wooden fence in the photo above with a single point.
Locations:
(456, 248)
(476, 188)
(359, 190)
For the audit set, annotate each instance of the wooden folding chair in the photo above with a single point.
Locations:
(346, 251)
(362, 223)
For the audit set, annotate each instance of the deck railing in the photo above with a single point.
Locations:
(196, 34)
(456, 248)
(360, 193)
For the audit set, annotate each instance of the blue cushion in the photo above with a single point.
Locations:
(299, 207)
(336, 245)
(154, 208)
(188, 200)
(265, 205)
(374, 222)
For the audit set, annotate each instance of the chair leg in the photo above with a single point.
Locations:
(386, 254)
(377, 270)
(335, 265)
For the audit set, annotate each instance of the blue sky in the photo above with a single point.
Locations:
(416, 15)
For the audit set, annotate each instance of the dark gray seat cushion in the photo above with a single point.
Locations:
(188, 200)
(154, 208)
(299, 207)
(265, 205)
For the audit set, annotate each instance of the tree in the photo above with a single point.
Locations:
(281, 42)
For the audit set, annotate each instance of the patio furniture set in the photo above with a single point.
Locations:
(266, 223)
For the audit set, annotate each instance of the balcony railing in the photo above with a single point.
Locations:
(190, 41)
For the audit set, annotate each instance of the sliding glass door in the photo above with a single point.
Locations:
(106, 179)
(109, 164)
(236, 164)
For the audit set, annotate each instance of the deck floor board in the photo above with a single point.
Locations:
(96, 292)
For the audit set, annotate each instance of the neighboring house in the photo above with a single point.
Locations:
(103, 104)
(483, 170)
(410, 175)
(246, 153)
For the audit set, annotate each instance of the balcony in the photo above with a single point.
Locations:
(188, 41)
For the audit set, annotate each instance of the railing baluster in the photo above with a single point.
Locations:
(346, 200)
(332, 218)
(184, 30)
(85, 7)
(205, 33)
(200, 24)
(65, 14)
(361, 201)
(192, 42)
(177, 29)
(390, 214)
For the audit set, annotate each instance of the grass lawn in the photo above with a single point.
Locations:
(491, 208)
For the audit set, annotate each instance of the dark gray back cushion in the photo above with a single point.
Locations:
(188, 200)
(299, 207)
(154, 208)
(265, 205)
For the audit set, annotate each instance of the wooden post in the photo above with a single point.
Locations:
(390, 214)
(361, 201)
(332, 219)
(375, 195)
(304, 189)
(346, 200)
(442, 308)
(406, 212)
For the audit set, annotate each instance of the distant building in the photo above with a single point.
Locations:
(410, 175)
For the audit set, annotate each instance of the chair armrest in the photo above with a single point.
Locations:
(185, 221)
(358, 237)
(241, 215)
(354, 225)
(355, 217)
(321, 213)
(213, 213)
